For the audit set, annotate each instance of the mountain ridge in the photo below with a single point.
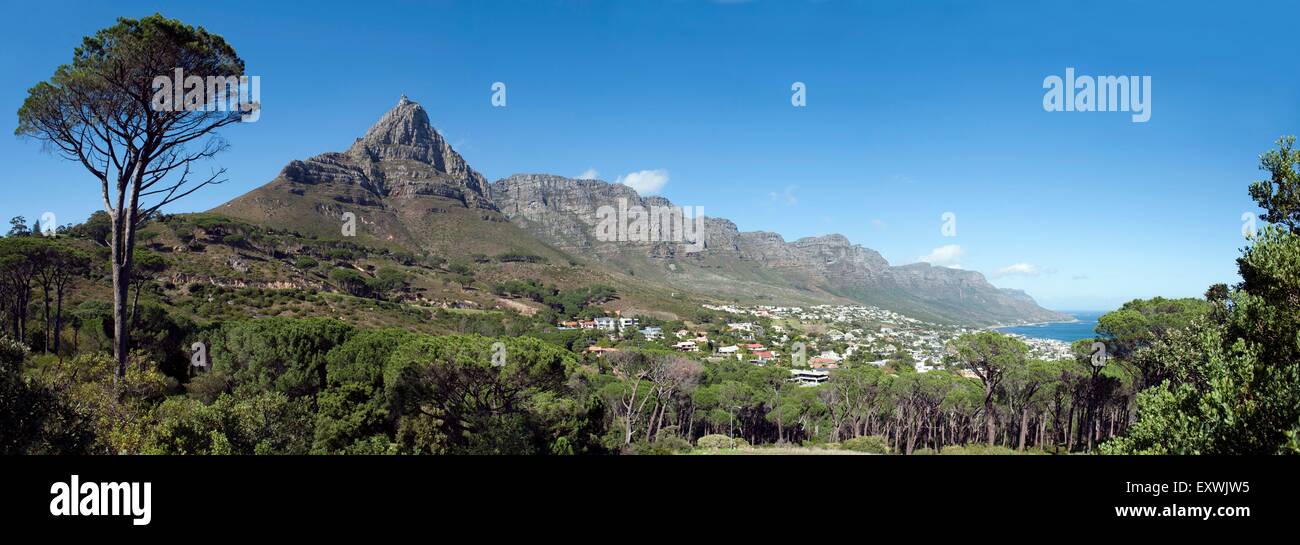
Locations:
(564, 210)
(410, 189)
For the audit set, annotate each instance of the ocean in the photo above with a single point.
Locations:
(1064, 331)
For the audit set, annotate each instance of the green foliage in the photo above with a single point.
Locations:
(12, 354)
(1279, 196)
(450, 397)
(989, 354)
(1140, 322)
(387, 279)
(353, 414)
(161, 335)
(351, 419)
(351, 281)
(519, 257)
(564, 303)
(267, 423)
(114, 413)
(275, 354)
(716, 441)
(361, 359)
(1235, 382)
(1234, 374)
(98, 228)
(18, 227)
(871, 444)
(978, 450)
(34, 419)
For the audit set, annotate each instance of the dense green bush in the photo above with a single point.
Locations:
(275, 354)
(978, 450)
(459, 394)
(353, 414)
(867, 443)
(267, 423)
(33, 418)
(715, 441)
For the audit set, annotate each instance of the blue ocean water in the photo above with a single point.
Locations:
(1063, 331)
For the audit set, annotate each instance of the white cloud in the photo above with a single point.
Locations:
(645, 182)
(1018, 269)
(877, 222)
(787, 196)
(945, 256)
(589, 174)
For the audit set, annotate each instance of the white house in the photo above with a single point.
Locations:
(606, 323)
(809, 377)
(741, 326)
(732, 350)
(686, 346)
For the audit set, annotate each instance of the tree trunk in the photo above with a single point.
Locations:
(988, 413)
(45, 315)
(1069, 430)
(58, 320)
(121, 264)
(1024, 427)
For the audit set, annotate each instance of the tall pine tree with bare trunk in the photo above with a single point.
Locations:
(104, 111)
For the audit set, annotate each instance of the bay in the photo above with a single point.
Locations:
(1062, 331)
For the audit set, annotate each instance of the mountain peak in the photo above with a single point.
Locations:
(403, 133)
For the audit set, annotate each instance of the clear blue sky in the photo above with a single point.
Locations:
(913, 109)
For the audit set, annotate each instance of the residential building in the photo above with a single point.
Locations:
(809, 377)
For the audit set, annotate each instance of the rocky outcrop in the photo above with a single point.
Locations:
(400, 157)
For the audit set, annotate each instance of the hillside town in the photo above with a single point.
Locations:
(811, 340)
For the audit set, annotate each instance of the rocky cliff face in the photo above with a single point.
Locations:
(401, 157)
(563, 211)
(406, 187)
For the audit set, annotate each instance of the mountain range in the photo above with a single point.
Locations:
(410, 190)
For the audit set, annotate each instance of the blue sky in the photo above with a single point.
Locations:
(913, 110)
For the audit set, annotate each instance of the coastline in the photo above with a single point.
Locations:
(1026, 324)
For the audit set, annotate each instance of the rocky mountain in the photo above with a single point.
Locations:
(564, 212)
(409, 190)
(405, 185)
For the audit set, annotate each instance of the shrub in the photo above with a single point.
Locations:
(520, 257)
(872, 444)
(663, 446)
(305, 263)
(12, 352)
(482, 406)
(715, 441)
(269, 423)
(978, 450)
(276, 354)
(361, 359)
